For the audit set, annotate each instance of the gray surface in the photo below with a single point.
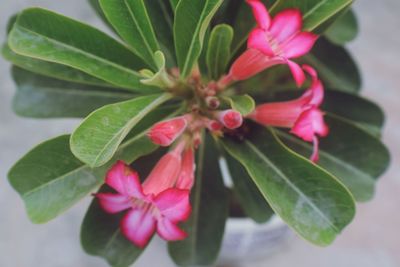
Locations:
(371, 240)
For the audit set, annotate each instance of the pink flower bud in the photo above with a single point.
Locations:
(166, 132)
(230, 118)
(214, 126)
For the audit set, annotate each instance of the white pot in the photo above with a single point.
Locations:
(245, 240)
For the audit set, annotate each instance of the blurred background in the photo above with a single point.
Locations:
(373, 239)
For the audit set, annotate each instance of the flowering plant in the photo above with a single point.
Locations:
(264, 86)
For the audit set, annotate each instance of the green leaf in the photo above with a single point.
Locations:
(11, 22)
(174, 4)
(315, 12)
(245, 190)
(97, 138)
(54, 70)
(48, 36)
(360, 111)
(219, 51)
(344, 30)
(244, 104)
(43, 97)
(191, 21)
(101, 236)
(335, 66)
(95, 4)
(161, 78)
(348, 152)
(50, 179)
(161, 16)
(308, 199)
(210, 203)
(131, 21)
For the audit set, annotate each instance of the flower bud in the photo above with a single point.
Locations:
(230, 118)
(166, 132)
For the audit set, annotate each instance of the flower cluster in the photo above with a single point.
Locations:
(161, 202)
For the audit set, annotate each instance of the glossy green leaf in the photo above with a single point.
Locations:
(209, 199)
(335, 66)
(10, 23)
(315, 12)
(48, 36)
(97, 138)
(43, 97)
(344, 29)
(50, 179)
(54, 70)
(245, 190)
(161, 78)
(131, 21)
(191, 21)
(242, 25)
(348, 152)
(161, 16)
(357, 109)
(219, 50)
(310, 200)
(95, 4)
(244, 104)
(101, 236)
(174, 3)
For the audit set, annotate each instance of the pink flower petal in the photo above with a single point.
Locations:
(297, 73)
(299, 45)
(258, 40)
(316, 88)
(113, 203)
(310, 123)
(124, 180)
(186, 176)
(260, 13)
(174, 204)
(280, 114)
(164, 174)
(250, 63)
(138, 226)
(315, 155)
(285, 24)
(169, 231)
(310, 70)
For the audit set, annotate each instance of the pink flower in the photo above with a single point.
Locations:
(166, 132)
(186, 175)
(230, 118)
(273, 41)
(302, 115)
(154, 206)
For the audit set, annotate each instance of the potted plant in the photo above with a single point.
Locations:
(265, 87)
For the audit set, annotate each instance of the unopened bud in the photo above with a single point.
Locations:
(166, 132)
(230, 118)
(212, 102)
